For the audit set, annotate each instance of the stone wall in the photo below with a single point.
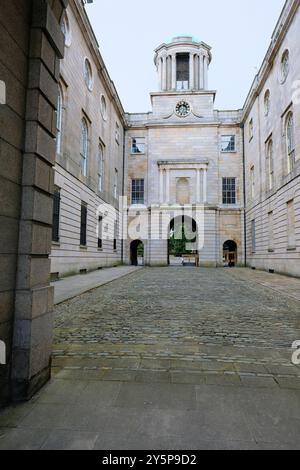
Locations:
(31, 45)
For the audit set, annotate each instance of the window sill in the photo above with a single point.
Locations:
(291, 248)
(56, 244)
(133, 154)
(83, 247)
(228, 151)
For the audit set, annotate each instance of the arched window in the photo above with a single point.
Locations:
(270, 165)
(59, 119)
(84, 147)
(103, 107)
(285, 65)
(88, 74)
(100, 167)
(267, 102)
(290, 141)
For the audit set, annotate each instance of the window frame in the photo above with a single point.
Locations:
(88, 74)
(230, 136)
(59, 120)
(229, 191)
(138, 192)
(56, 215)
(84, 147)
(270, 163)
(101, 162)
(134, 139)
(290, 140)
(83, 224)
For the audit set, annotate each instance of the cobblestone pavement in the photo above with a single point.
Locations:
(170, 358)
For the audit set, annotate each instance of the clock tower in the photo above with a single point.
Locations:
(182, 68)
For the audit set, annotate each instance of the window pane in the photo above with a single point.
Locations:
(228, 143)
(138, 145)
(56, 214)
(229, 191)
(83, 225)
(137, 196)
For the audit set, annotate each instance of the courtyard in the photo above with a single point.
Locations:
(170, 358)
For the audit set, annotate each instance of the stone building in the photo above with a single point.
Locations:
(89, 154)
(271, 119)
(32, 45)
(186, 153)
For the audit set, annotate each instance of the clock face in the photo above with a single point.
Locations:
(183, 109)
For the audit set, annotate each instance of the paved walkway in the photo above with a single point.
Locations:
(169, 358)
(70, 287)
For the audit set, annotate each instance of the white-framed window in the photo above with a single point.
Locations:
(290, 140)
(228, 143)
(137, 191)
(88, 76)
(103, 107)
(285, 65)
(252, 181)
(251, 129)
(65, 28)
(229, 191)
(267, 102)
(59, 120)
(270, 164)
(138, 145)
(100, 167)
(84, 146)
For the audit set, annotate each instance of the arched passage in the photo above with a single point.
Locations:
(182, 246)
(230, 253)
(137, 253)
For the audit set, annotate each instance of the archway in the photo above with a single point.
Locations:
(137, 253)
(230, 253)
(182, 243)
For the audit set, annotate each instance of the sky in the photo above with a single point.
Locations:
(239, 32)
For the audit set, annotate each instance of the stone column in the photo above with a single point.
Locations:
(198, 183)
(201, 71)
(191, 84)
(161, 186)
(159, 70)
(205, 186)
(174, 70)
(33, 325)
(167, 200)
(205, 72)
(164, 73)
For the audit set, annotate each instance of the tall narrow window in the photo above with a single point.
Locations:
(252, 182)
(285, 65)
(267, 102)
(116, 183)
(229, 191)
(270, 165)
(56, 215)
(88, 78)
(118, 135)
(84, 146)
(115, 236)
(183, 71)
(290, 141)
(83, 224)
(100, 232)
(138, 191)
(100, 168)
(251, 129)
(253, 236)
(291, 232)
(271, 231)
(59, 118)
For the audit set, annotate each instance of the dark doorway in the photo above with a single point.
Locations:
(230, 254)
(137, 253)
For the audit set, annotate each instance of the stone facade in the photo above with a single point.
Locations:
(187, 149)
(272, 181)
(31, 46)
(98, 104)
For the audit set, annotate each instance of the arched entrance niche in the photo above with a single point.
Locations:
(182, 244)
(137, 253)
(230, 253)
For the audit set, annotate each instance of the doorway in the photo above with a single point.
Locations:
(230, 254)
(137, 253)
(182, 246)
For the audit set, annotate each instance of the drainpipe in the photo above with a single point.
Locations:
(123, 193)
(244, 192)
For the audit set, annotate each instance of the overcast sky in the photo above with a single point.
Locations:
(239, 32)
